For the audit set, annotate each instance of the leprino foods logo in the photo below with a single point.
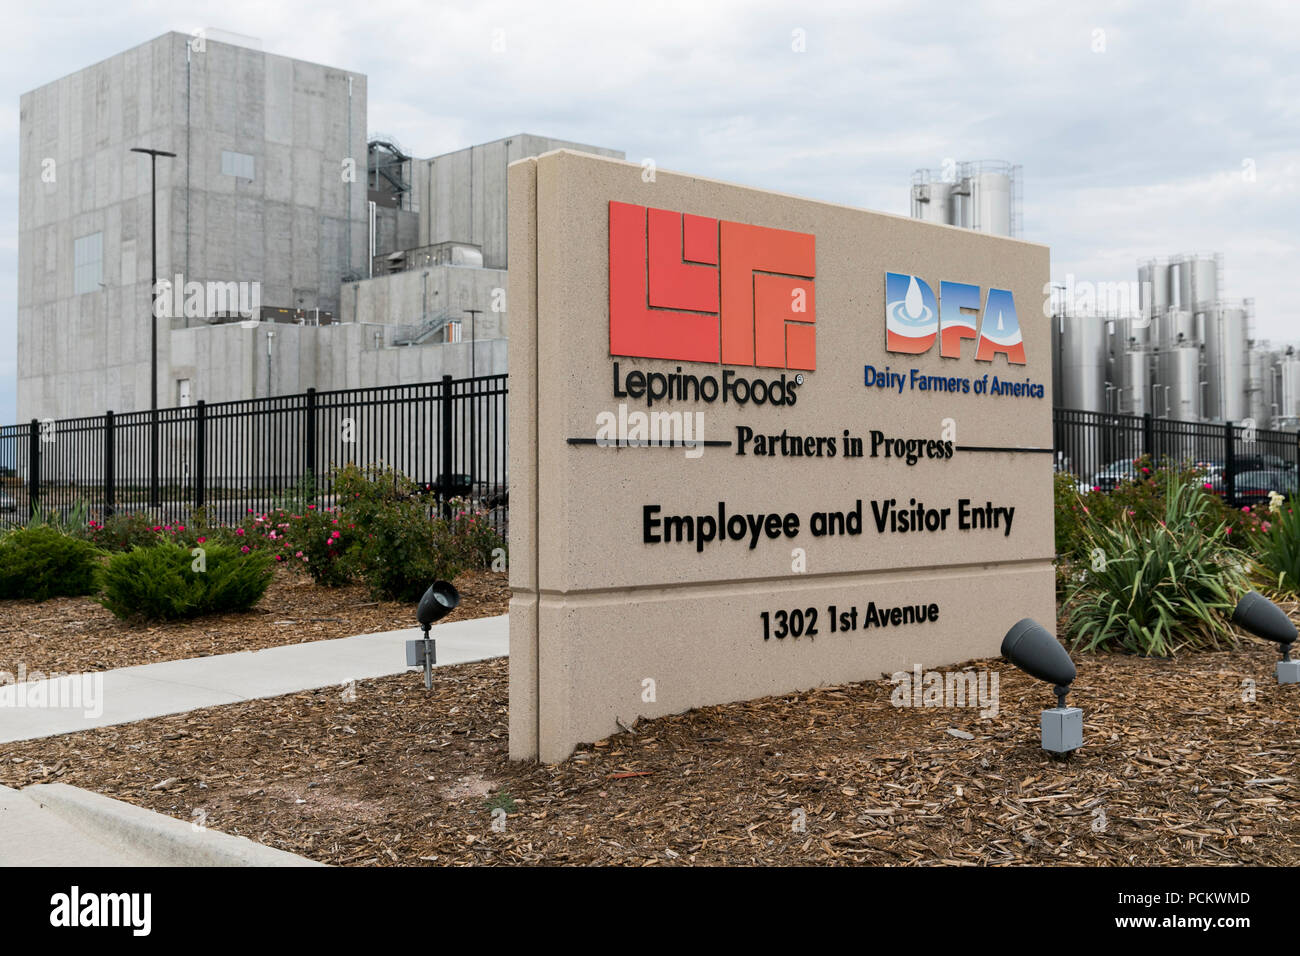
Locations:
(695, 289)
(914, 319)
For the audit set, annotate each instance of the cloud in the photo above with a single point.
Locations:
(1132, 121)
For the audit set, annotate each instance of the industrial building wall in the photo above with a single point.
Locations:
(407, 298)
(290, 225)
(89, 351)
(396, 230)
(462, 195)
(230, 362)
(256, 193)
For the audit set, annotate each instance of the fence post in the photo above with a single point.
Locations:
(445, 478)
(1229, 466)
(33, 467)
(200, 451)
(1148, 436)
(155, 495)
(309, 433)
(110, 464)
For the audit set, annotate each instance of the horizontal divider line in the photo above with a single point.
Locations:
(646, 443)
(1027, 451)
(1010, 564)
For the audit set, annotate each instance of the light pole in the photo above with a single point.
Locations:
(153, 155)
(270, 335)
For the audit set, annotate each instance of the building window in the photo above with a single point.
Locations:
(235, 164)
(88, 263)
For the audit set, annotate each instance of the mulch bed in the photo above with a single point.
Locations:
(74, 635)
(1177, 768)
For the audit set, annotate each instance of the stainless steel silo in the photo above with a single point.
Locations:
(1271, 362)
(1083, 362)
(1178, 276)
(1178, 378)
(1153, 287)
(1289, 388)
(1257, 402)
(1176, 328)
(1203, 280)
(1133, 380)
(1058, 347)
(1225, 363)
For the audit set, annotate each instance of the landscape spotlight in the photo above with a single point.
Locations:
(1036, 651)
(1263, 618)
(436, 604)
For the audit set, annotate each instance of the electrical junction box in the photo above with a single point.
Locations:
(417, 651)
(1062, 729)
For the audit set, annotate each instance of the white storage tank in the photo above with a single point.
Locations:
(991, 201)
(930, 199)
(981, 195)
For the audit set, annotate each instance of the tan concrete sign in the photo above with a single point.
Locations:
(759, 444)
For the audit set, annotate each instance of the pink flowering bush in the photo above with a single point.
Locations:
(316, 542)
(380, 528)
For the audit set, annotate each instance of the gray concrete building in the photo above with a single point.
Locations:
(259, 194)
(462, 194)
(292, 266)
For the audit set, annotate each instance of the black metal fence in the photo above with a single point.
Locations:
(1100, 449)
(449, 436)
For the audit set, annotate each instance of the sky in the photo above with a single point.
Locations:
(1143, 129)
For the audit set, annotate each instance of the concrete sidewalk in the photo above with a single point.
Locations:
(53, 824)
(153, 690)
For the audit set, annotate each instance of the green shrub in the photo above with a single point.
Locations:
(41, 562)
(401, 551)
(1157, 589)
(166, 581)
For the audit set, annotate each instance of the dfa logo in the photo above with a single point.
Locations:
(914, 318)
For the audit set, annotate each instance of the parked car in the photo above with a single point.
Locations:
(1113, 474)
(1253, 487)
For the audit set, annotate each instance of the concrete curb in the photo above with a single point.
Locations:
(169, 841)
